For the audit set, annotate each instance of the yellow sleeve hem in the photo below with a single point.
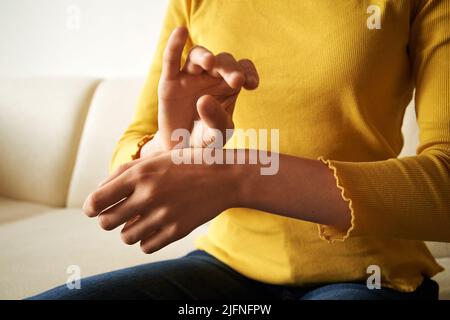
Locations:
(140, 144)
(329, 233)
(127, 150)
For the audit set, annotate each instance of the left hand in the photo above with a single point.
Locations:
(161, 201)
(205, 89)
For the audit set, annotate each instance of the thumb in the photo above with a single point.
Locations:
(213, 114)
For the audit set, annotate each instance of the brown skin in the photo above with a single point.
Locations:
(205, 89)
(157, 208)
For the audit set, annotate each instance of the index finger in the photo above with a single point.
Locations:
(120, 169)
(171, 63)
(108, 195)
(199, 59)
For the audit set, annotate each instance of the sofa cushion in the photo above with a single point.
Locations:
(14, 210)
(443, 279)
(40, 127)
(109, 115)
(36, 252)
(439, 249)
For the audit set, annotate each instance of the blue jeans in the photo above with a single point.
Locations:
(199, 275)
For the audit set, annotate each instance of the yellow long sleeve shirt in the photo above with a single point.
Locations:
(337, 90)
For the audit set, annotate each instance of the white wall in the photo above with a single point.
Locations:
(100, 38)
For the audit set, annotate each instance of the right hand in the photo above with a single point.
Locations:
(200, 96)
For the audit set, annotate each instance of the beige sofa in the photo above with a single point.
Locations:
(56, 139)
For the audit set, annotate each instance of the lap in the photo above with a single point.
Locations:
(195, 276)
(199, 275)
(428, 290)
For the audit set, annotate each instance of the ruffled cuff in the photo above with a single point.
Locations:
(141, 144)
(329, 233)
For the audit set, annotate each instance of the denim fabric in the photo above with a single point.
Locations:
(199, 275)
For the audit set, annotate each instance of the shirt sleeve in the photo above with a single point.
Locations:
(145, 121)
(409, 197)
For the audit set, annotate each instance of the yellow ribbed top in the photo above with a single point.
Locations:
(335, 89)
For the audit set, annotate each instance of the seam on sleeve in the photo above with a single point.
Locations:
(329, 233)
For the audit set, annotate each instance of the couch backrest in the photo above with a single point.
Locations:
(44, 160)
(41, 120)
(110, 113)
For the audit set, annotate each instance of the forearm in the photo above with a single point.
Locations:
(302, 189)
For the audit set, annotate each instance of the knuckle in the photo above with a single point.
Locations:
(164, 215)
(197, 48)
(141, 171)
(246, 62)
(137, 174)
(225, 55)
(175, 231)
(123, 167)
(240, 79)
(148, 196)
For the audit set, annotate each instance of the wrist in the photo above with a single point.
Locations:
(152, 147)
(243, 179)
(227, 180)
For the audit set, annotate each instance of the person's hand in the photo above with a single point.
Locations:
(160, 202)
(204, 89)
